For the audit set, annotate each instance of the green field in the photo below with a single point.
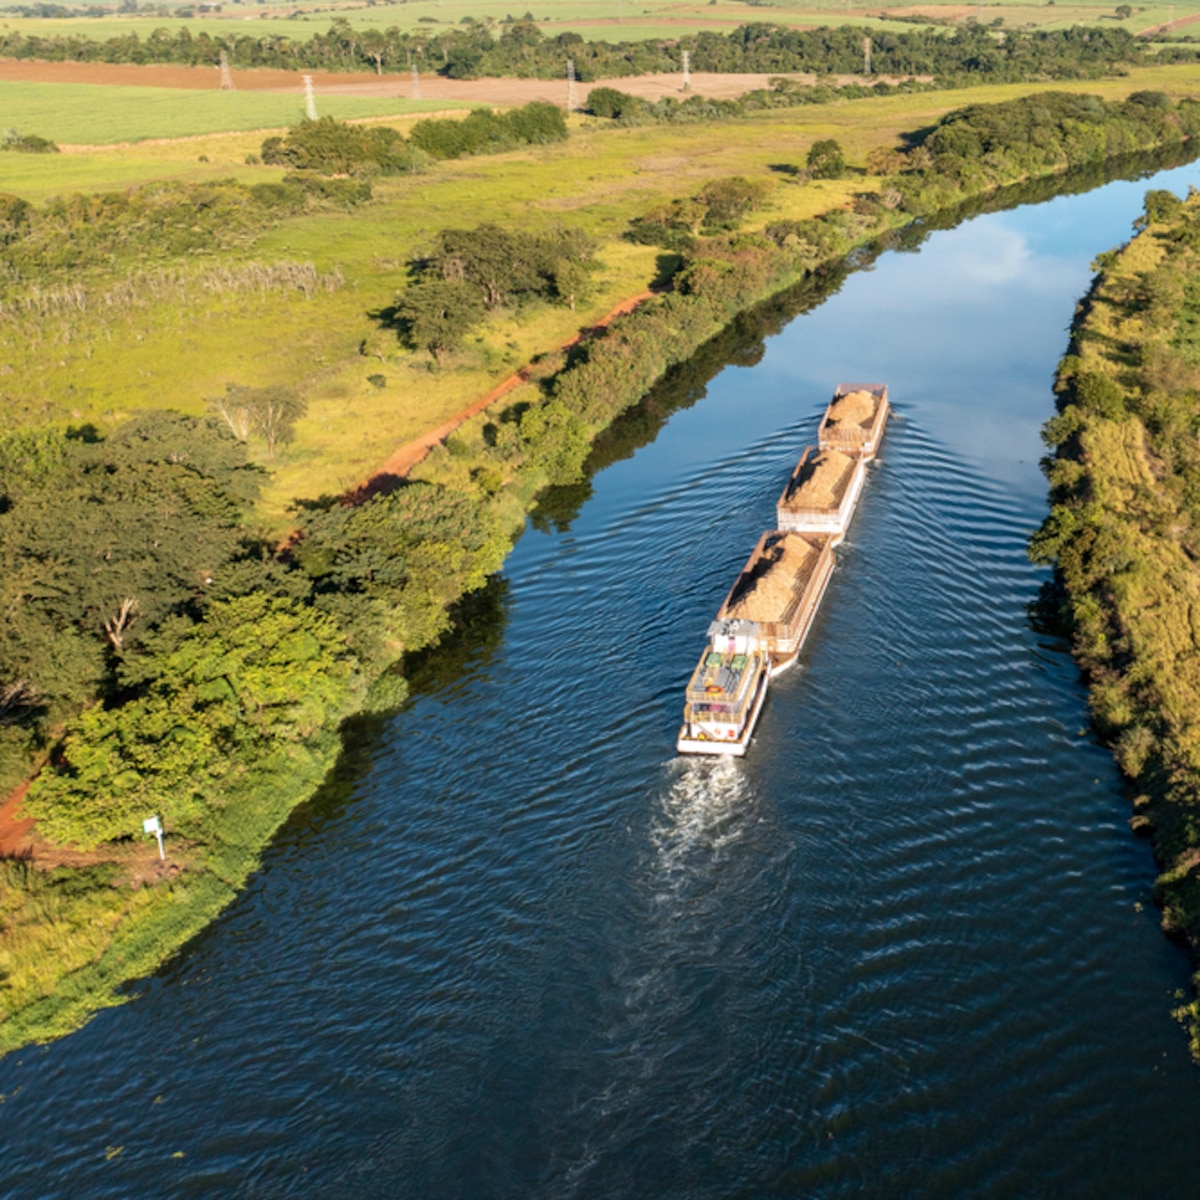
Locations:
(610, 20)
(92, 114)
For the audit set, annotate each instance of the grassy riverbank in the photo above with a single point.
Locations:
(222, 716)
(1124, 532)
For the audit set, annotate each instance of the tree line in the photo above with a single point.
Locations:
(473, 49)
(332, 147)
(149, 224)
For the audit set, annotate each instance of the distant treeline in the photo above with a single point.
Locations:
(472, 49)
(783, 93)
(1124, 534)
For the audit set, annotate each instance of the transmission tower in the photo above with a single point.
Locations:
(310, 101)
(687, 71)
(226, 77)
(572, 103)
(416, 81)
(866, 56)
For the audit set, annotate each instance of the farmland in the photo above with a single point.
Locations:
(610, 20)
(101, 365)
(86, 113)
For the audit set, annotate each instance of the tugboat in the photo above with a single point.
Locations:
(726, 691)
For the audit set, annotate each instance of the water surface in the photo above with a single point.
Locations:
(519, 949)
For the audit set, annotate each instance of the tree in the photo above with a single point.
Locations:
(438, 314)
(234, 409)
(274, 412)
(614, 104)
(257, 673)
(726, 201)
(825, 159)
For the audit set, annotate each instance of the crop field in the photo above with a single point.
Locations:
(179, 352)
(610, 20)
(95, 115)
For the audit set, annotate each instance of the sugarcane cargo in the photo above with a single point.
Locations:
(854, 421)
(822, 493)
(779, 591)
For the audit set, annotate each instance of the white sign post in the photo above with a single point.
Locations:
(154, 825)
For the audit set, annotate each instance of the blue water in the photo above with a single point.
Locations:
(905, 948)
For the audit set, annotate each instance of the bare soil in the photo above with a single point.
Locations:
(19, 839)
(433, 87)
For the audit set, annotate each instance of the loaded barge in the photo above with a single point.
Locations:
(761, 626)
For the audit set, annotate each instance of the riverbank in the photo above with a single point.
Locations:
(486, 477)
(1124, 534)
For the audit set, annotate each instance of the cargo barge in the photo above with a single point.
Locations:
(762, 625)
(822, 493)
(854, 421)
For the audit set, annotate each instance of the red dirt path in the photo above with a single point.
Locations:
(15, 836)
(404, 458)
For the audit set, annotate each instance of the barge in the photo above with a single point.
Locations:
(854, 421)
(822, 493)
(762, 625)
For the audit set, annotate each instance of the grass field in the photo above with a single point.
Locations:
(611, 20)
(178, 354)
(96, 115)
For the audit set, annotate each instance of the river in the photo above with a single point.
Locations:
(907, 947)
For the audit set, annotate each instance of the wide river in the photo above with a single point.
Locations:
(907, 947)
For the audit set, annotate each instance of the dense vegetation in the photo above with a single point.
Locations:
(472, 49)
(987, 145)
(331, 147)
(471, 272)
(165, 660)
(783, 93)
(1124, 533)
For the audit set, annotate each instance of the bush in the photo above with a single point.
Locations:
(825, 159)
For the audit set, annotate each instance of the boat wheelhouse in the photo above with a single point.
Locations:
(726, 691)
(822, 493)
(855, 419)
